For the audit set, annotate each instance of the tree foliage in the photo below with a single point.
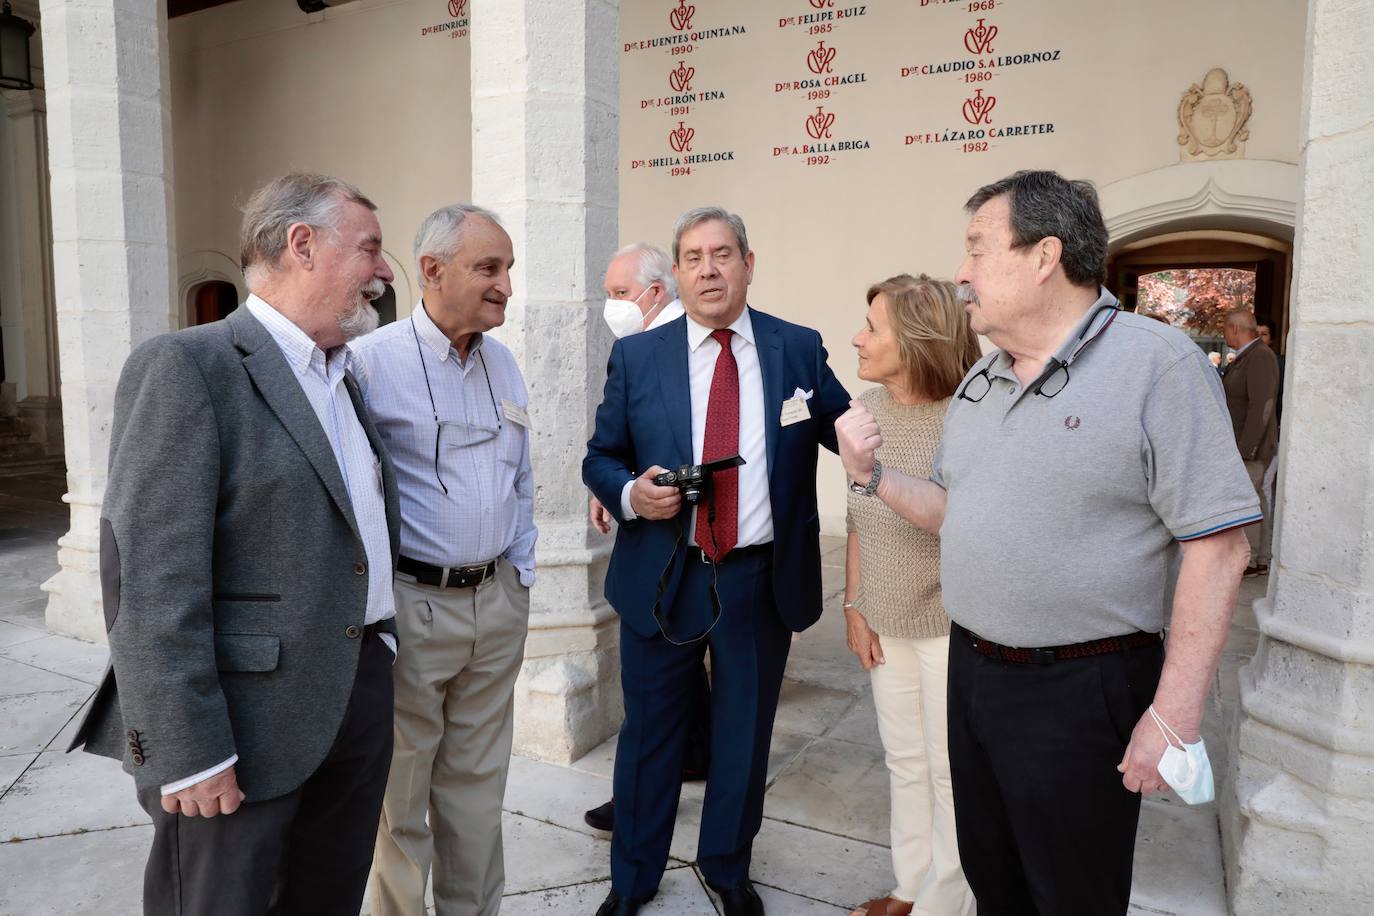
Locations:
(1198, 299)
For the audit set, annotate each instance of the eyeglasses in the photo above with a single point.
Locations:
(1054, 378)
(460, 435)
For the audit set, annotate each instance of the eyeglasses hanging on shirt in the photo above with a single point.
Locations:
(1055, 376)
(454, 433)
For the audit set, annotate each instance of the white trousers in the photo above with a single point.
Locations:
(909, 692)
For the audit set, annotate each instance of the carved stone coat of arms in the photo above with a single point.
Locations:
(1212, 118)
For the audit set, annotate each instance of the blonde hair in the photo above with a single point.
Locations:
(936, 344)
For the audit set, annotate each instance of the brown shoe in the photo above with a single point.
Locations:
(884, 906)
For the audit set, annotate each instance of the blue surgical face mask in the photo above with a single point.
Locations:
(1185, 767)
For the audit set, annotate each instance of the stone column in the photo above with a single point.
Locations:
(109, 147)
(1299, 823)
(544, 146)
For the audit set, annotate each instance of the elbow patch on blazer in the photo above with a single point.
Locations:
(109, 573)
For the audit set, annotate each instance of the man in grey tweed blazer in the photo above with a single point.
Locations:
(248, 535)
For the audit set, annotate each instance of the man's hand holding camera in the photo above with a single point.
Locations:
(859, 438)
(648, 500)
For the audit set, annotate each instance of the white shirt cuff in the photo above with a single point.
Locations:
(173, 788)
(625, 510)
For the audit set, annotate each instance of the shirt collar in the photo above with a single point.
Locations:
(435, 339)
(697, 333)
(1093, 323)
(296, 345)
(1087, 329)
(1246, 347)
(670, 313)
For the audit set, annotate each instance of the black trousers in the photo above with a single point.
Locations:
(1046, 827)
(305, 853)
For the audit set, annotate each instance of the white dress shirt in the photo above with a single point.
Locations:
(321, 377)
(488, 511)
(671, 312)
(755, 524)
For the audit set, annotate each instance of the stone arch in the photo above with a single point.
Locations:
(196, 268)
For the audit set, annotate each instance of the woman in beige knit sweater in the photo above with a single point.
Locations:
(916, 343)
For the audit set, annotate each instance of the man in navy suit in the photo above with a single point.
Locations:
(738, 572)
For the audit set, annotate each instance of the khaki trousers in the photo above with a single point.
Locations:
(909, 693)
(460, 652)
(1261, 535)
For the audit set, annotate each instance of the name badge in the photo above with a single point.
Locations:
(794, 410)
(515, 413)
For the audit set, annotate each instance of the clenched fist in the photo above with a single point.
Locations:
(859, 438)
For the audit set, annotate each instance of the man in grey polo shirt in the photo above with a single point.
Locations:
(1086, 493)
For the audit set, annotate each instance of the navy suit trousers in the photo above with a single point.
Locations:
(748, 653)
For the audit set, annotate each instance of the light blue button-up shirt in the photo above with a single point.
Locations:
(484, 454)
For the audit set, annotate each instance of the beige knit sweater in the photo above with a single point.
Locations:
(899, 564)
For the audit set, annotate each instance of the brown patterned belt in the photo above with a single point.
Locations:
(1048, 655)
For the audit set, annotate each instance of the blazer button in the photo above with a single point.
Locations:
(360, 568)
(138, 760)
(352, 632)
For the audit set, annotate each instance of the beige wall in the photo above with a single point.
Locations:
(824, 232)
(260, 88)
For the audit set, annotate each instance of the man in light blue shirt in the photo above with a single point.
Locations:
(451, 406)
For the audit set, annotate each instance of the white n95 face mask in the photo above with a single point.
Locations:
(1185, 767)
(623, 316)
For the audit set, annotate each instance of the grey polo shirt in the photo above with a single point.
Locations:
(1065, 513)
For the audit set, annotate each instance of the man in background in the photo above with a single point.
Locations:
(1252, 393)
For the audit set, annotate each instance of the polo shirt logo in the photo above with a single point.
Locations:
(1072, 422)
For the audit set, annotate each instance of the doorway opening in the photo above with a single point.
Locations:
(1190, 279)
(213, 300)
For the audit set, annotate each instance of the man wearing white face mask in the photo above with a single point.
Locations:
(640, 290)
(641, 294)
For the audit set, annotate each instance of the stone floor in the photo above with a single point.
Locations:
(76, 838)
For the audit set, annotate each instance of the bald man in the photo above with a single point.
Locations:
(1252, 391)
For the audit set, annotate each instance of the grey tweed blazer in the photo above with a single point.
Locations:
(234, 576)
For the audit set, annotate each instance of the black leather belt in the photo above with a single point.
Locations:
(447, 576)
(1048, 655)
(737, 553)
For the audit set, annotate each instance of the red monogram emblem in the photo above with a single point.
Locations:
(681, 78)
(818, 61)
(681, 138)
(978, 39)
(978, 108)
(1072, 422)
(681, 17)
(818, 124)
(456, 8)
(822, 4)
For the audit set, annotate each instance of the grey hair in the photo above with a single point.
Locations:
(440, 233)
(653, 266)
(1045, 204)
(300, 197)
(696, 217)
(1242, 319)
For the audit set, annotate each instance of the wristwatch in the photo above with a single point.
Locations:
(872, 481)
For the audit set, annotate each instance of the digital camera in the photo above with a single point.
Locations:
(695, 479)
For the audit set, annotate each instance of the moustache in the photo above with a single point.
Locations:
(374, 289)
(965, 294)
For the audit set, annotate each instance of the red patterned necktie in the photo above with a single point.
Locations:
(721, 441)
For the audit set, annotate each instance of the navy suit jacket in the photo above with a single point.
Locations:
(645, 418)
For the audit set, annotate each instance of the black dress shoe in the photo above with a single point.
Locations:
(601, 818)
(616, 905)
(740, 900)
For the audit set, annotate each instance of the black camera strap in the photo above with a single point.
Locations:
(679, 550)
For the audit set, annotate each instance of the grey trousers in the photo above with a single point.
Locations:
(1260, 536)
(460, 652)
